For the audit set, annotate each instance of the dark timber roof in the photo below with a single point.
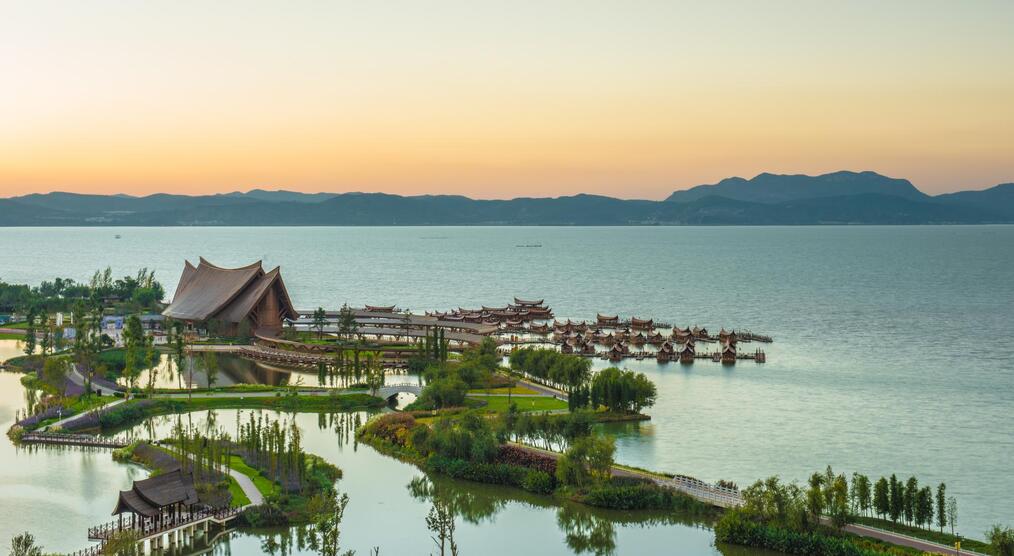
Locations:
(146, 497)
(230, 294)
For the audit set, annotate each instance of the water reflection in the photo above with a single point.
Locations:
(233, 369)
(390, 502)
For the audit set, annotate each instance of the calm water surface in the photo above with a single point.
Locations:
(893, 353)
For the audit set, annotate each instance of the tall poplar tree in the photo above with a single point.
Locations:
(942, 506)
(881, 498)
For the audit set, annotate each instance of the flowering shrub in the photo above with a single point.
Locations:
(51, 412)
(516, 455)
(391, 427)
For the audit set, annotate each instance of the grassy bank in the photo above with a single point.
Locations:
(501, 404)
(136, 410)
(462, 445)
(925, 534)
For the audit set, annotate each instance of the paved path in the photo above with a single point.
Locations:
(545, 390)
(66, 420)
(249, 488)
(20, 331)
(902, 540)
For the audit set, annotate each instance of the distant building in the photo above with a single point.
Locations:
(151, 322)
(231, 296)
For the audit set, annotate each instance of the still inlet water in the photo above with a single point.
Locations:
(893, 353)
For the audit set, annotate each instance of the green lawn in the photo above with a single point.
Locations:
(8, 336)
(239, 498)
(500, 403)
(504, 390)
(263, 484)
(284, 403)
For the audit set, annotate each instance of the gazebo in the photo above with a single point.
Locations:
(163, 499)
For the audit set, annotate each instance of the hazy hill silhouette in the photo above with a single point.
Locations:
(767, 199)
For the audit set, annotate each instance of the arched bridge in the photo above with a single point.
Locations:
(388, 391)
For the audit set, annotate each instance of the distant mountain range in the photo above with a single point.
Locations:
(768, 199)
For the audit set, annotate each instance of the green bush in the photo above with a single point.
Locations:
(492, 473)
(531, 480)
(538, 482)
(627, 494)
(269, 514)
(735, 528)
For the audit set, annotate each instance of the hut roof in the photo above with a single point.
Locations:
(147, 496)
(380, 308)
(207, 291)
(528, 303)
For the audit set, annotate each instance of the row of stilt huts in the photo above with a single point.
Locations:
(530, 322)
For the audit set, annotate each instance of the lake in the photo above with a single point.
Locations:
(893, 353)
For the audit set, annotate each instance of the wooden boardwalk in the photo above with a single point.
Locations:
(159, 534)
(62, 439)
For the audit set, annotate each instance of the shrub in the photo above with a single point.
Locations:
(538, 482)
(736, 528)
(492, 473)
(269, 514)
(516, 455)
(443, 392)
(388, 426)
(635, 494)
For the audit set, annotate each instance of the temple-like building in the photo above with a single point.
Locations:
(165, 497)
(232, 296)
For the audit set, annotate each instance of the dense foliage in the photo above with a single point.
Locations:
(588, 461)
(736, 527)
(623, 391)
(640, 494)
(138, 292)
(447, 382)
(563, 371)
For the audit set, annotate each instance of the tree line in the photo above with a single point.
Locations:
(140, 291)
(616, 389)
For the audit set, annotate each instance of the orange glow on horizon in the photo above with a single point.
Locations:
(500, 102)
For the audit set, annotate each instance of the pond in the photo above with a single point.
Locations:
(389, 502)
(389, 499)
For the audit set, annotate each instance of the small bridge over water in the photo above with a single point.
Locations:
(389, 391)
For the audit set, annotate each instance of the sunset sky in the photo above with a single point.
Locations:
(498, 100)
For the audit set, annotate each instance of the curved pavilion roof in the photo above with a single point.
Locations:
(207, 291)
(147, 496)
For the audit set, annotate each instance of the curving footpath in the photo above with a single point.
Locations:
(248, 487)
(903, 540)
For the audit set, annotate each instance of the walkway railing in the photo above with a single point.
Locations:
(152, 526)
(73, 439)
(706, 492)
(90, 551)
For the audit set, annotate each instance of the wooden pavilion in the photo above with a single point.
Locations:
(156, 501)
(231, 296)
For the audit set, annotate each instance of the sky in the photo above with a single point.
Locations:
(500, 99)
